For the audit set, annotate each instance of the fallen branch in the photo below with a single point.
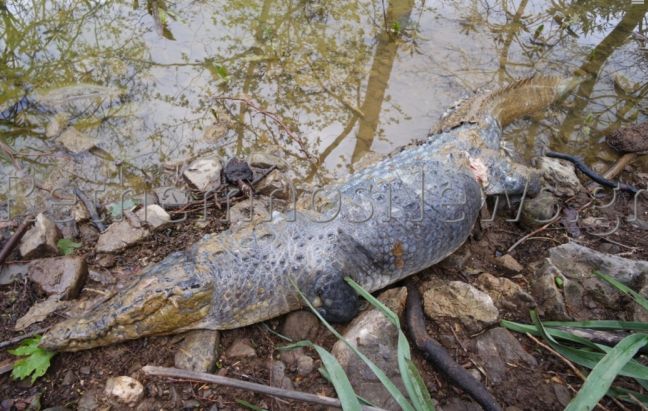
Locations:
(439, 357)
(245, 385)
(617, 167)
(15, 238)
(531, 234)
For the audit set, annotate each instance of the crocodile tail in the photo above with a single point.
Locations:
(523, 97)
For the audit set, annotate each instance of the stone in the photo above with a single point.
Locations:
(262, 159)
(154, 216)
(278, 376)
(75, 141)
(305, 365)
(61, 276)
(560, 176)
(247, 213)
(276, 185)
(548, 294)
(88, 401)
(198, 351)
(241, 348)
(13, 272)
(300, 325)
(102, 276)
(539, 210)
(124, 389)
(205, 173)
(508, 262)
(41, 239)
(80, 213)
(499, 350)
(373, 334)
(461, 302)
(39, 311)
(171, 197)
(505, 293)
(119, 236)
(583, 292)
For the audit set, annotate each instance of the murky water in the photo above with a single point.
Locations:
(325, 81)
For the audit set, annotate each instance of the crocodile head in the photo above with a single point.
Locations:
(160, 302)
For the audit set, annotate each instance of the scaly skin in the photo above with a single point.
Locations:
(231, 280)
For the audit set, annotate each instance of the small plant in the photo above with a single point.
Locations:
(67, 246)
(34, 360)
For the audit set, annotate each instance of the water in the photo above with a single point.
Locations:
(327, 82)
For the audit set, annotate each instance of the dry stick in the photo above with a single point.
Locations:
(531, 234)
(15, 238)
(245, 385)
(92, 209)
(617, 168)
(576, 371)
(18, 339)
(439, 357)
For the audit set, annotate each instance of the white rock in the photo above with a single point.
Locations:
(75, 141)
(125, 389)
(560, 175)
(154, 215)
(56, 125)
(205, 173)
(119, 236)
(41, 239)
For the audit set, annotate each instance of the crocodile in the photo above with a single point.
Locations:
(379, 225)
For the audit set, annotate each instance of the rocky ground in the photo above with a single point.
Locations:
(502, 271)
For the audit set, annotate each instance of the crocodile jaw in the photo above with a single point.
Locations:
(154, 305)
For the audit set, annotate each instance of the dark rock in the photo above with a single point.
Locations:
(300, 325)
(198, 351)
(40, 240)
(498, 350)
(62, 276)
(278, 376)
(539, 210)
(238, 170)
(88, 401)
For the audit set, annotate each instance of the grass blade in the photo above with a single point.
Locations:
(600, 325)
(602, 376)
(380, 374)
(638, 298)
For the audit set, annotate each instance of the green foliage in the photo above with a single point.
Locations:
(35, 361)
(67, 246)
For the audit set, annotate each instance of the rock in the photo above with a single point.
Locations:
(13, 272)
(80, 213)
(75, 141)
(39, 311)
(457, 260)
(261, 159)
(563, 395)
(56, 125)
(198, 351)
(505, 293)
(62, 276)
(119, 236)
(560, 176)
(241, 348)
(461, 302)
(276, 185)
(103, 277)
(539, 210)
(85, 370)
(125, 389)
(305, 365)
(548, 294)
(41, 239)
(154, 216)
(88, 401)
(498, 350)
(278, 376)
(300, 325)
(171, 197)
(583, 292)
(373, 334)
(508, 262)
(205, 173)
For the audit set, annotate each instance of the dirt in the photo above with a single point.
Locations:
(73, 375)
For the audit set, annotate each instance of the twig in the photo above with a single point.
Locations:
(576, 371)
(617, 167)
(591, 173)
(245, 385)
(439, 357)
(18, 339)
(531, 234)
(15, 238)
(92, 209)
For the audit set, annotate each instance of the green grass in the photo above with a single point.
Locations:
(606, 363)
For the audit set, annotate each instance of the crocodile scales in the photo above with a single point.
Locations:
(384, 223)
